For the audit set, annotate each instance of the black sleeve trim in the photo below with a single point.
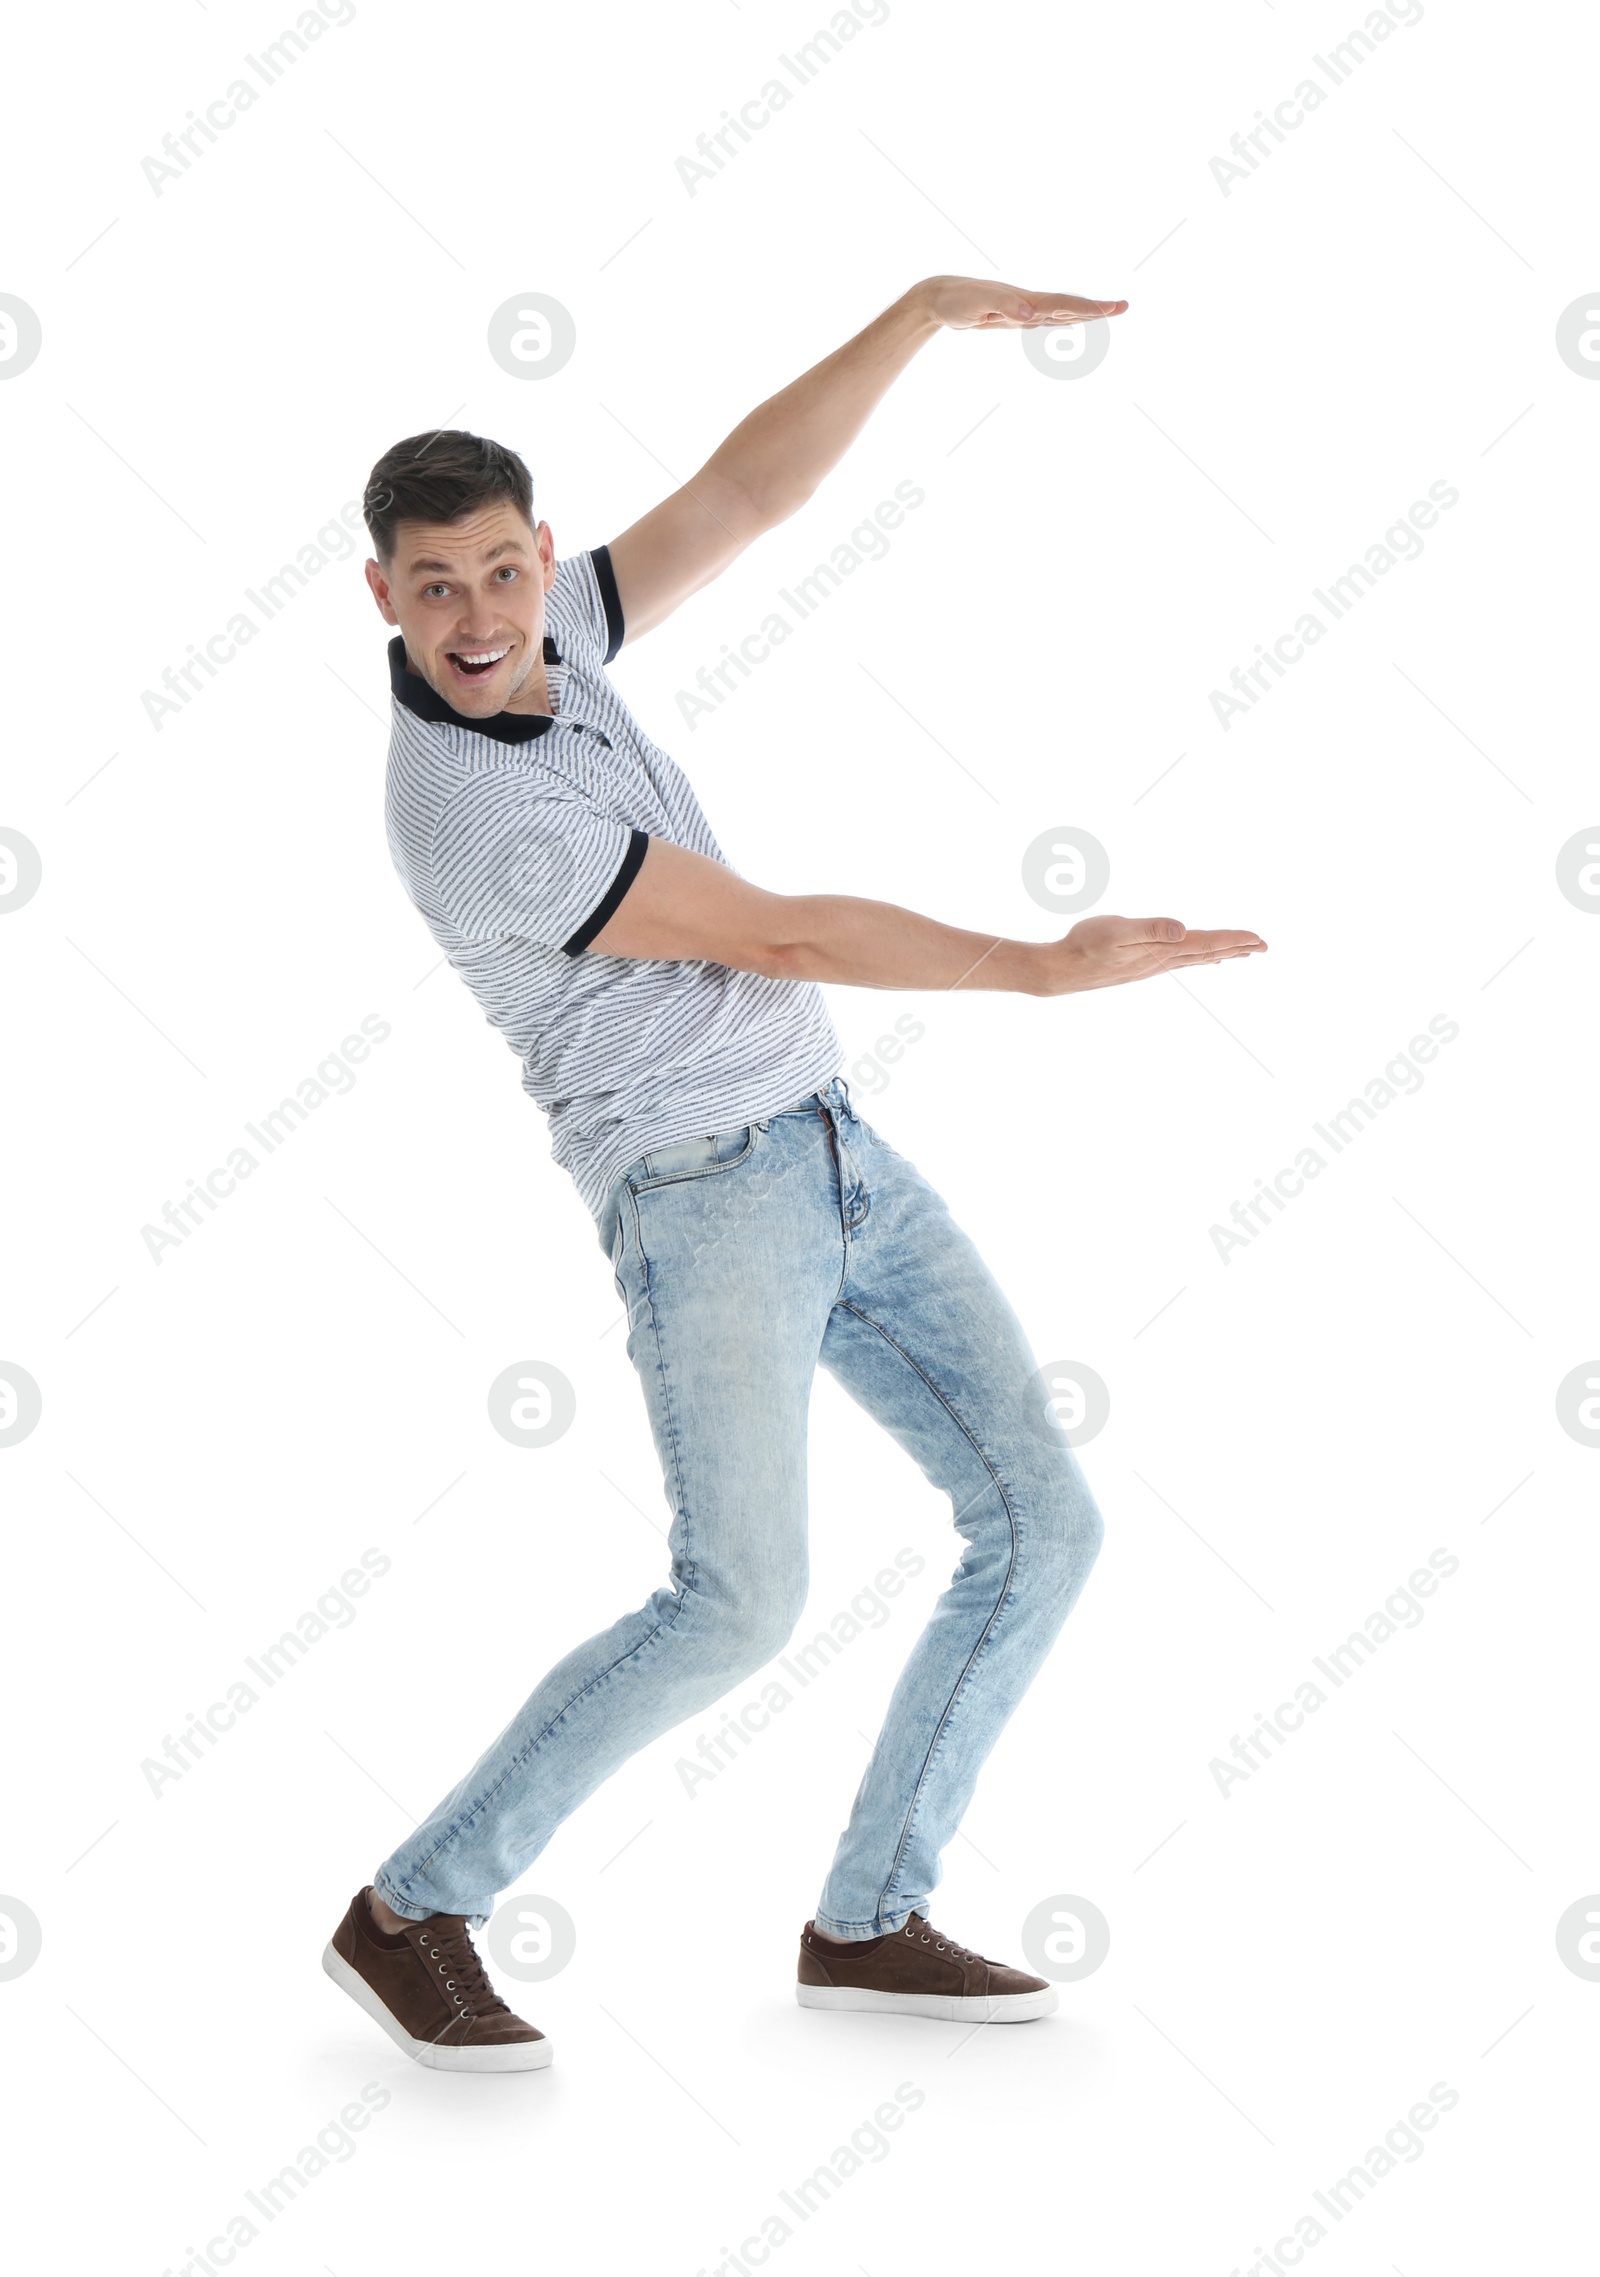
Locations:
(606, 578)
(600, 917)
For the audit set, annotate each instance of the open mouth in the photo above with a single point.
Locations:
(476, 664)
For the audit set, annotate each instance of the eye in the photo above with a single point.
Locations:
(506, 569)
(428, 591)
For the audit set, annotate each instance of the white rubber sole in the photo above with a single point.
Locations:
(516, 2055)
(946, 2008)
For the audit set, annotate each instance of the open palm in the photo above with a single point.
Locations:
(1102, 952)
(977, 304)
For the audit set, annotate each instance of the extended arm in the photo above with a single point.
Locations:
(773, 460)
(685, 905)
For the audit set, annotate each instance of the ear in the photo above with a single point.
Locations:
(544, 539)
(378, 586)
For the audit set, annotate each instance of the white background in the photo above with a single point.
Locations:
(1292, 1432)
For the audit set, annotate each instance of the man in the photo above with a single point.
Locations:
(668, 1020)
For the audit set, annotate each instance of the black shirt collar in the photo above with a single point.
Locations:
(413, 691)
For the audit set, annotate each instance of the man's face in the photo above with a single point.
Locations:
(468, 597)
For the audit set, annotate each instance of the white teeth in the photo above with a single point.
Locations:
(489, 656)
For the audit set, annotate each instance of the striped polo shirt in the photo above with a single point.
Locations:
(517, 837)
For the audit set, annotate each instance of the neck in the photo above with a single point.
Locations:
(534, 693)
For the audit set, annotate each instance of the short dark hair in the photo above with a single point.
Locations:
(440, 477)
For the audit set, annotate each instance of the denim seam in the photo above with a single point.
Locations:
(710, 1169)
(531, 1747)
(454, 1833)
(1000, 1601)
(389, 1898)
(681, 1499)
(836, 1151)
(874, 1928)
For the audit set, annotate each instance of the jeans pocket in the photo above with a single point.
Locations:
(695, 1158)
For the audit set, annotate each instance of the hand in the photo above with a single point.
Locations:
(969, 304)
(1101, 952)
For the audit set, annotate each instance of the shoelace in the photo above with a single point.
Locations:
(927, 1935)
(453, 1954)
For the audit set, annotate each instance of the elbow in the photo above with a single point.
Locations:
(783, 937)
(787, 960)
(773, 501)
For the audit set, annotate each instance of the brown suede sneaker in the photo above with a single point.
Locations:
(915, 1972)
(427, 1989)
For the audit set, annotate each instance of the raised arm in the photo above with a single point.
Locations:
(773, 460)
(685, 905)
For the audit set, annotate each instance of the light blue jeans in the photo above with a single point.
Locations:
(744, 1259)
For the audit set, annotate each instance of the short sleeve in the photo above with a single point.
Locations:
(513, 857)
(584, 600)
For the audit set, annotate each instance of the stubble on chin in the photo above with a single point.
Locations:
(525, 682)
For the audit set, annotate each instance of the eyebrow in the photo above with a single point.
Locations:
(447, 568)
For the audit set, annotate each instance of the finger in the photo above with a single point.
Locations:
(1070, 308)
(1186, 956)
(1206, 957)
(1224, 940)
